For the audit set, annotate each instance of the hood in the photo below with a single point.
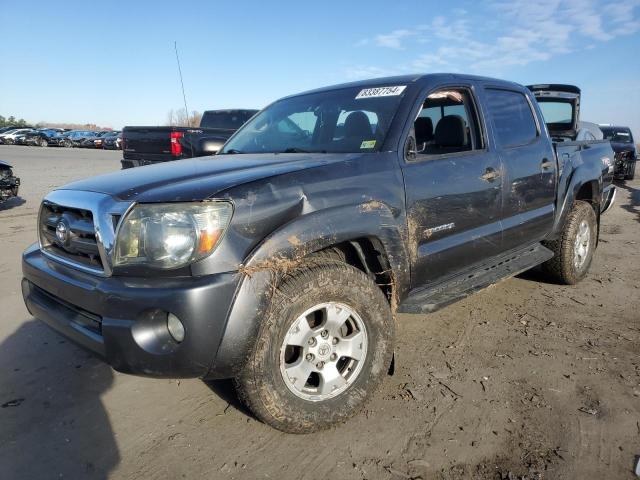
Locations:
(199, 178)
(4, 165)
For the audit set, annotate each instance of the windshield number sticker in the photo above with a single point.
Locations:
(381, 92)
(367, 144)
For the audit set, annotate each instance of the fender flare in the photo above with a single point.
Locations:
(287, 246)
(579, 178)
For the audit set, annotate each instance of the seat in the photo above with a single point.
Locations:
(423, 127)
(450, 136)
(357, 129)
(357, 125)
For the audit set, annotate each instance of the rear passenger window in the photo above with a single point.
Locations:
(512, 117)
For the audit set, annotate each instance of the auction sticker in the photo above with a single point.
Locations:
(381, 92)
(367, 144)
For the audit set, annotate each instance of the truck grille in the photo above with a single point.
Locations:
(69, 233)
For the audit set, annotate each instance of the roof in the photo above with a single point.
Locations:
(405, 79)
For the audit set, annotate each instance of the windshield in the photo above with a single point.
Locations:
(345, 120)
(230, 119)
(556, 112)
(617, 135)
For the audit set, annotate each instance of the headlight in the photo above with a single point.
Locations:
(170, 235)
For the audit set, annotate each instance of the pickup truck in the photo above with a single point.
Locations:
(282, 261)
(149, 145)
(624, 147)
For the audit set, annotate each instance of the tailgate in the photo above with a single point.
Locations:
(139, 142)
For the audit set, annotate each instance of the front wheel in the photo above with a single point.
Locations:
(44, 143)
(323, 348)
(631, 171)
(573, 251)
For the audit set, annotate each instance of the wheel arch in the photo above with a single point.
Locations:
(581, 186)
(374, 243)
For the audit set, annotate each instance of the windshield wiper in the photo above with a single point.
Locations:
(301, 150)
(232, 151)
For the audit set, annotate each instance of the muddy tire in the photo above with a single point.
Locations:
(573, 251)
(631, 171)
(323, 348)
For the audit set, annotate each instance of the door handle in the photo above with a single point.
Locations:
(546, 164)
(490, 175)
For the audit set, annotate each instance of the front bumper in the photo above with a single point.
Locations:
(9, 188)
(123, 319)
(623, 164)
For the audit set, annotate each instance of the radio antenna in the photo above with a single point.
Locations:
(184, 96)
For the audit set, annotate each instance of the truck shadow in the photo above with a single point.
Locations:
(52, 421)
(634, 199)
(12, 203)
(226, 390)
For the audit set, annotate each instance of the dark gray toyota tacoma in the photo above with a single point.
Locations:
(282, 261)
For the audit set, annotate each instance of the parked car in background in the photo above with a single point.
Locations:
(9, 137)
(148, 145)
(623, 144)
(282, 261)
(41, 137)
(112, 142)
(7, 129)
(59, 139)
(73, 138)
(88, 140)
(85, 139)
(21, 138)
(99, 142)
(9, 183)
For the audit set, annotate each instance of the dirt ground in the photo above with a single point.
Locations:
(524, 380)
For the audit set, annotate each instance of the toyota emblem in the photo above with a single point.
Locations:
(62, 232)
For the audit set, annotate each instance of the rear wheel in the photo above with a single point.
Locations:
(323, 348)
(43, 142)
(573, 251)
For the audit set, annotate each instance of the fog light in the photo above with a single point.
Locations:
(175, 327)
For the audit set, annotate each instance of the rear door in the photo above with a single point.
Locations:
(529, 162)
(453, 186)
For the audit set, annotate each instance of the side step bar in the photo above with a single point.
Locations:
(434, 297)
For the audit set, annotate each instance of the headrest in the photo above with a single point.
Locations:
(357, 125)
(424, 129)
(451, 132)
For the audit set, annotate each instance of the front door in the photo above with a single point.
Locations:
(453, 187)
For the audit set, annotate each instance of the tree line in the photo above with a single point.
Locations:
(12, 121)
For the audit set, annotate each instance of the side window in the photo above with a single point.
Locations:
(512, 117)
(447, 123)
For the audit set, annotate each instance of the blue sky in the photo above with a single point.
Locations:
(113, 63)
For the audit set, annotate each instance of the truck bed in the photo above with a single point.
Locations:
(147, 145)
